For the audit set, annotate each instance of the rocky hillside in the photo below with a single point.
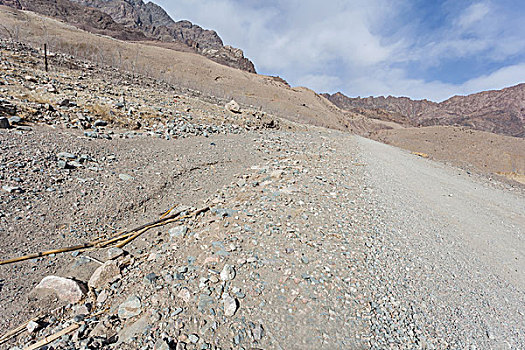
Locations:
(499, 111)
(134, 20)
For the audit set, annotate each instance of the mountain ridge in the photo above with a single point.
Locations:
(498, 111)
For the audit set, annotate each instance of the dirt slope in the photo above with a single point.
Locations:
(474, 150)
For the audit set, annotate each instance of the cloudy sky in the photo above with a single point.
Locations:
(418, 48)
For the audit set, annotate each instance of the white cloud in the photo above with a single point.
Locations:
(368, 47)
(320, 82)
(394, 82)
(474, 13)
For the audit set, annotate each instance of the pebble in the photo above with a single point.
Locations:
(100, 122)
(114, 253)
(126, 177)
(193, 338)
(4, 123)
(184, 294)
(33, 326)
(178, 232)
(130, 308)
(66, 155)
(104, 275)
(15, 120)
(12, 189)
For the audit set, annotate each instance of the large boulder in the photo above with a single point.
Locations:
(64, 288)
(233, 107)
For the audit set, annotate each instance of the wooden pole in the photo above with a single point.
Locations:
(45, 57)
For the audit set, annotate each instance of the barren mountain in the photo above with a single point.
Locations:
(498, 111)
(135, 20)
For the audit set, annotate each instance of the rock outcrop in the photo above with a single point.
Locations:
(497, 111)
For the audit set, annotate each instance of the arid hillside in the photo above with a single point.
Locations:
(498, 111)
(178, 68)
(137, 21)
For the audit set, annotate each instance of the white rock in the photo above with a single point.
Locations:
(130, 308)
(230, 305)
(233, 106)
(66, 289)
(178, 232)
(33, 326)
(228, 273)
(184, 294)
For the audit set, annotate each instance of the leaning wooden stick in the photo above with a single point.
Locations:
(53, 337)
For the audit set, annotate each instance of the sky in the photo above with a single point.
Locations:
(423, 49)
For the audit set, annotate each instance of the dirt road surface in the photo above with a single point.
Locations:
(449, 247)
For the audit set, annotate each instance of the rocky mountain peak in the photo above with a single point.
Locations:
(137, 20)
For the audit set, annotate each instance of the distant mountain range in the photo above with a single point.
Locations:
(498, 111)
(135, 20)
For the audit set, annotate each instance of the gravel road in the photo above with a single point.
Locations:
(448, 254)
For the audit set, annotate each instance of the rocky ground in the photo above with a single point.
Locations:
(311, 238)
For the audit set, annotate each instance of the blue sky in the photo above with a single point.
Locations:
(415, 48)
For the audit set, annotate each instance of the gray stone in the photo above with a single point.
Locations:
(114, 253)
(178, 232)
(12, 189)
(7, 108)
(66, 289)
(193, 338)
(4, 123)
(257, 332)
(161, 345)
(141, 326)
(91, 134)
(151, 277)
(108, 273)
(130, 308)
(205, 303)
(66, 155)
(15, 120)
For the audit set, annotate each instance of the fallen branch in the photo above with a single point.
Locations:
(161, 222)
(49, 252)
(16, 331)
(53, 337)
(127, 236)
